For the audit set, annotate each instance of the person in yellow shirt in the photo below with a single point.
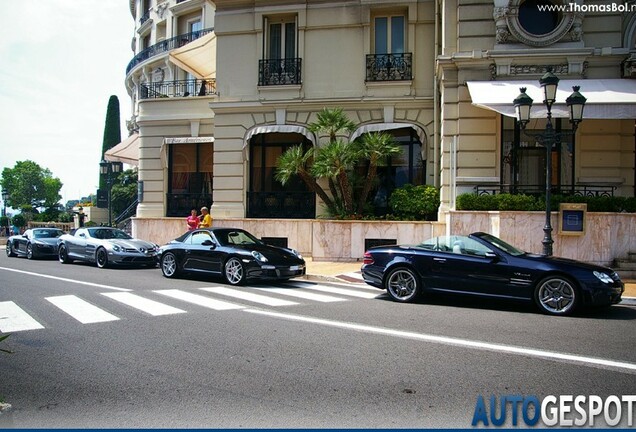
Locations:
(206, 219)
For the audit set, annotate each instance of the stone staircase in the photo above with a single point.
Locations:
(626, 267)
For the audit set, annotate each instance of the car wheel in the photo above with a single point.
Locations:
(556, 295)
(101, 258)
(10, 251)
(29, 251)
(62, 255)
(169, 265)
(403, 285)
(234, 271)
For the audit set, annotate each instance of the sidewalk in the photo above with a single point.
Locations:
(348, 272)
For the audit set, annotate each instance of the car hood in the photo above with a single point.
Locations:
(561, 262)
(131, 244)
(274, 254)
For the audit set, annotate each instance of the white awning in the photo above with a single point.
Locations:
(197, 57)
(379, 127)
(126, 151)
(265, 129)
(606, 98)
(163, 151)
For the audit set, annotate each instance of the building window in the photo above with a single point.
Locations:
(189, 177)
(280, 64)
(536, 19)
(267, 197)
(389, 61)
(523, 160)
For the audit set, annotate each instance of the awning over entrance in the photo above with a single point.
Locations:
(197, 57)
(606, 98)
(379, 127)
(279, 129)
(126, 151)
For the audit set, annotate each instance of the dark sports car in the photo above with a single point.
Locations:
(233, 253)
(484, 265)
(105, 246)
(34, 243)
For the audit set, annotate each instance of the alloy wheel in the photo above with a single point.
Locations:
(402, 285)
(29, 251)
(556, 296)
(101, 258)
(234, 271)
(169, 266)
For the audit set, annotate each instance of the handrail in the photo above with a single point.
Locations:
(165, 46)
(127, 212)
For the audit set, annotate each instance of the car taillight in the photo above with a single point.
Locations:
(368, 259)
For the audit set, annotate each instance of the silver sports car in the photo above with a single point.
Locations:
(105, 246)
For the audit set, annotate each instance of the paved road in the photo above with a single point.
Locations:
(129, 348)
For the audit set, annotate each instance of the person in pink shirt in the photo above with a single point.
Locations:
(192, 220)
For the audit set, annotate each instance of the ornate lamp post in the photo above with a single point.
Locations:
(549, 137)
(5, 197)
(108, 169)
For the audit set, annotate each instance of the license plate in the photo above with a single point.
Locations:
(294, 268)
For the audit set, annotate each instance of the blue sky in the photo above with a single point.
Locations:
(60, 61)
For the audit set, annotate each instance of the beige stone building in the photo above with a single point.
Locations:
(221, 88)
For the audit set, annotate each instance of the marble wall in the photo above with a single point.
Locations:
(607, 235)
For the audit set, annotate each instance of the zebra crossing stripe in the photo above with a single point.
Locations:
(81, 310)
(151, 307)
(13, 318)
(342, 291)
(199, 300)
(294, 292)
(246, 295)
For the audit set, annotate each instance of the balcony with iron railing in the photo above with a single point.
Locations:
(273, 72)
(389, 67)
(538, 190)
(145, 17)
(165, 46)
(177, 88)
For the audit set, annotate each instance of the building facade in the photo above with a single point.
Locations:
(221, 89)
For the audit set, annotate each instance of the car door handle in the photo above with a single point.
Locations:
(442, 260)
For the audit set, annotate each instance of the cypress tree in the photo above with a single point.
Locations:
(112, 132)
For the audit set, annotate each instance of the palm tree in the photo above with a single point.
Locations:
(375, 147)
(295, 161)
(334, 161)
(332, 122)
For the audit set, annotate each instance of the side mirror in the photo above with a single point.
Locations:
(209, 243)
(492, 256)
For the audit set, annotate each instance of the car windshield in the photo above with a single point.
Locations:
(108, 233)
(47, 233)
(501, 245)
(231, 237)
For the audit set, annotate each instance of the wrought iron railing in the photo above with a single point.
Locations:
(165, 46)
(283, 205)
(537, 190)
(389, 67)
(279, 71)
(180, 204)
(177, 88)
(145, 17)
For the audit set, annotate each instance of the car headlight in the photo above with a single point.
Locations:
(603, 277)
(116, 248)
(295, 252)
(259, 256)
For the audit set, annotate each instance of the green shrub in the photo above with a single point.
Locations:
(18, 220)
(415, 202)
(520, 202)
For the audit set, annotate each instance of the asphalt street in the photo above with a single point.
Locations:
(130, 348)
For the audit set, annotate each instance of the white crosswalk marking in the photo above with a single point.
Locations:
(246, 295)
(199, 300)
(151, 307)
(342, 291)
(81, 310)
(13, 318)
(295, 292)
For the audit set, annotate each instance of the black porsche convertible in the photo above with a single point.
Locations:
(232, 253)
(483, 265)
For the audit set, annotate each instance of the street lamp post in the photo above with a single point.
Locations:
(108, 169)
(5, 197)
(549, 137)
